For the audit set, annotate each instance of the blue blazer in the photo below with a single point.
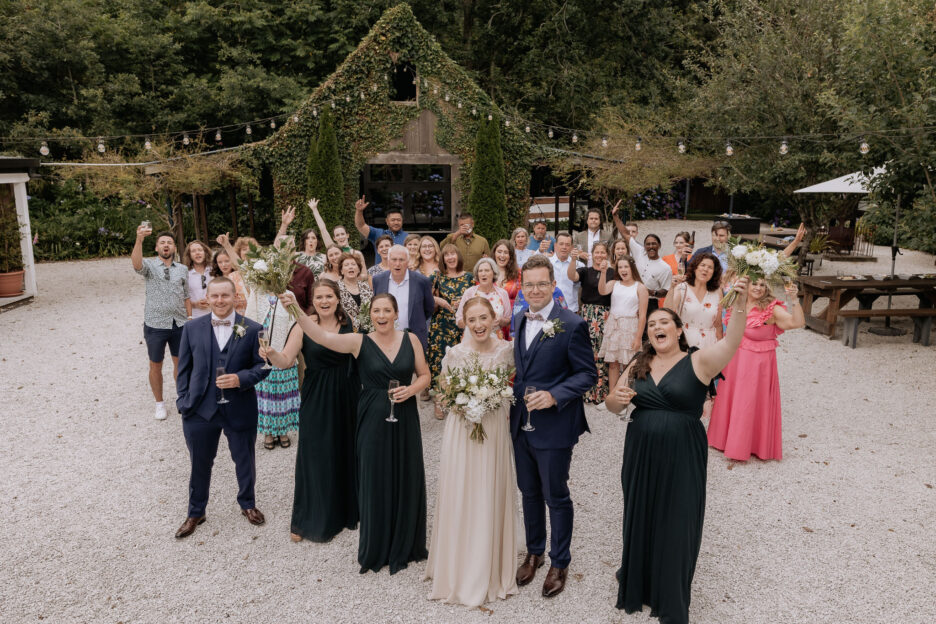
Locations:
(564, 365)
(421, 302)
(195, 383)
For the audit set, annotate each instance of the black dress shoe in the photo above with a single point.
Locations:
(253, 516)
(527, 569)
(555, 581)
(188, 527)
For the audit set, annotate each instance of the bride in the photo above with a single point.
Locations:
(473, 549)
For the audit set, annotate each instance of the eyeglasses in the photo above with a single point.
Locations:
(166, 273)
(537, 285)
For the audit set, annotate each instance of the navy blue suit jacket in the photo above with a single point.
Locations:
(421, 302)
(565, 366)
(195, 383)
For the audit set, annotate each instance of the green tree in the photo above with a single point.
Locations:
(325, 179)
(487, 201)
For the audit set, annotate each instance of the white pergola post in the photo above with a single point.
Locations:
(19, 180)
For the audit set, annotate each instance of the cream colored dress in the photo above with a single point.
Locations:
(700, 318)
(473, 548)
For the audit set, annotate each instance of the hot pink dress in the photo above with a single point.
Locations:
(746, 413)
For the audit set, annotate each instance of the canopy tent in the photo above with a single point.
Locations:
(852, 183)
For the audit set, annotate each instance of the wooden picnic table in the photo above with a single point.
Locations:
(840, 292)
(774, 241)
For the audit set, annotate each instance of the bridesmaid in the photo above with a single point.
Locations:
(473, 552)
(325, 500)
(663, 472)
(746, 413)
(391, 484)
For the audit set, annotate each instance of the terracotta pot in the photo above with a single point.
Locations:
(11, 284)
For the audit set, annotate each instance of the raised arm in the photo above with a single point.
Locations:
(790, 249)
(286, 218)
(225, 243)
(362, 227)
(605, 287)
(709, 361)
(643, 298)
(794, 318)
(286, 357)
(572, 270)
(675, 295)
(342, 343)
(320, 222)
(620, 395)
(618, 224)
(136, 256)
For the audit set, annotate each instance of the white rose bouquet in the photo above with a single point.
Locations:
(270, 269)
(472, 391)
(753, 260)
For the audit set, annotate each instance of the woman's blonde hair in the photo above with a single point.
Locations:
(412, 265)
(765, 300)
(435, 246)
(476, 300)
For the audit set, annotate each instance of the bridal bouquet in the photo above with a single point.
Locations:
(471, 391)
(753, 260)
(270, 269)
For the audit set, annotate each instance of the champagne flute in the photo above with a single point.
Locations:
(526, 393)
(787, 299)
(218, 372)
(625, 415)
(263, 337)
(392, 387)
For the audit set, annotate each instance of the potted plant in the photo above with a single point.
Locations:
(11, 256)
(819, 244)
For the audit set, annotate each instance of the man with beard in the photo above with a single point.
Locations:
(167, 306)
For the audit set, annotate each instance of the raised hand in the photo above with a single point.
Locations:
(624, 394)
(143, 231)
(223, 240)
(287, 299)
(360, 204)
(313, 204)
(616, 206)
(741, 287)
(288, 216)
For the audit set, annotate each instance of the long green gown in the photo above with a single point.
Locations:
(391, 476)
(663, 476)
(325, 500)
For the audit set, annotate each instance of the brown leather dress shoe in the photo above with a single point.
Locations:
(188, 527)
(253, 516)
(527, 569)
(555, 581)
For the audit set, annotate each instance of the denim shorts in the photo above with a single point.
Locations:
(157, 339)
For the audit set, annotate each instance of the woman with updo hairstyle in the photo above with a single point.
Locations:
(391, 480)
(476, 509)
(325, 496)
(696, 296)
(663, 471)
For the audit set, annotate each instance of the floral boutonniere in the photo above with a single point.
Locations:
(551, 328)
(240, 328)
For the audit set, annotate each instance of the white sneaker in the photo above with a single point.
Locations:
(161, 412)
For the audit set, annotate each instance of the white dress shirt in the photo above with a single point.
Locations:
(655, 274)
(568, 287)
(222, 333)
(401, 294)
(593, 237)
(196, 292)
(533, 327)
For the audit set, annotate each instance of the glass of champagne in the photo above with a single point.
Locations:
(263, 337)
(392, 387)
(526, 393)
(625, 414)
(218, 372)
(146, 225)
(787, 299)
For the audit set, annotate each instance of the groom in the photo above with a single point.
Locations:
(222, 339)
(553, 354)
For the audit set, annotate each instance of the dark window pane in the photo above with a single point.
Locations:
(429, 208)
(403, 80)
(381, 201)
(428, 173)
(386, 173)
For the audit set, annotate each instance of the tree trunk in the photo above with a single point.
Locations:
(232, 200)
(203, 201)
(250, 214)
(178, 226)
(196, 221)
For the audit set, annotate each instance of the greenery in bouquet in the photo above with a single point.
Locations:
(363, 318)
(270, 269)
(757, 262)
(472, 390)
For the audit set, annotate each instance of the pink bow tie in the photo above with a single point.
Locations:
(534, 316)
(215, 323)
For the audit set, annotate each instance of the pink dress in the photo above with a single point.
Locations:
(746, 413)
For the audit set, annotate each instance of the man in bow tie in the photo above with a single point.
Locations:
(219, 364)
(553, 354)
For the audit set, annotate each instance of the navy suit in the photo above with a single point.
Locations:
(564, 365)
(421, 302)
(203, 420)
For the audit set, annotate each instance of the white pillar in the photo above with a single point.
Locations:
(19, 180)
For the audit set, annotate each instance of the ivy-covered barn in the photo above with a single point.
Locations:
(405, 118)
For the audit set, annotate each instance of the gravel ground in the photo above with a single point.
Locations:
(95, 489)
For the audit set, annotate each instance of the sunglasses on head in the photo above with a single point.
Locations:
(166, 273)
(204, 282)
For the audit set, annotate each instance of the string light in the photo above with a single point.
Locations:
(435, 90)
(604, 141)
(474, 111)
(44, 149)
(527, 129)
(506, 123)
(729, 151)
(459, 105)
(347, 98)
(490, 117)
(864, 148)
(272, 124)
(100, 146)
(784, 148)
(217, 136)
(550, 133)
(146, 145)
(248, 130)
(681, 147)
(373, 87)
(295, 118)
(575, 138)
(638, 145)
(361, 94)
(333, 104)
(447, 97)
(315, 112)
(186, 140)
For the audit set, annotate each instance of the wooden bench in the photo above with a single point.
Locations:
(922, 322)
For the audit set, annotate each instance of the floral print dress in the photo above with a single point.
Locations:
(443, 331)
(700, 318)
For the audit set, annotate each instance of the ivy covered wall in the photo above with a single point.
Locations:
(367, 122)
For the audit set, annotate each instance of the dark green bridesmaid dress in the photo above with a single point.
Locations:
(391, 477)
(325, 500)
(663, 476)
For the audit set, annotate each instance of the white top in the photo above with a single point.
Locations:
(401, 293)
(196, 292)
(276, 319)
(568, 287)
(522, 256)
(222, 333)
(656, 274)
(624, 300)
(533, 327)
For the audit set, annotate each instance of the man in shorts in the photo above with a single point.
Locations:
(167, 306)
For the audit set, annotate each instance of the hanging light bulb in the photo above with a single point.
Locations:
(681, 147)
(248, 130)
(506, 123)
(435, 90)
(44, 149)
(425, 83)
(447, 97)
(272, 124)
(315, 112)
(373, 87)
(100, 146)
(638, 145)
(474, 111)
(218, 135)
(604, 141)
(550, 133)
(490, 117)
(295, 118)
(729, 151)
(459, 105)
(864, 148)
(574, 138)
(784, 148)
(347, 98)
(186, 140)
(361, 94)
(147, 145)
(527, 129)
(415, 81)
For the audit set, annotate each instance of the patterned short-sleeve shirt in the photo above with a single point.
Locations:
(166, 292)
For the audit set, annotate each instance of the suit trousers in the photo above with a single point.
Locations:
(543, 477)
(202, 437)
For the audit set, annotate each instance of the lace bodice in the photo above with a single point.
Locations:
(457, 356)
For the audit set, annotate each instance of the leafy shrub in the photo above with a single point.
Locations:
(917, 227)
